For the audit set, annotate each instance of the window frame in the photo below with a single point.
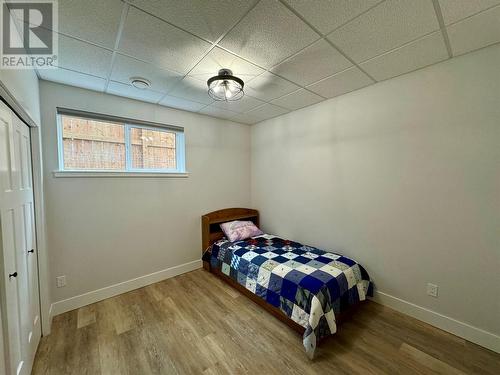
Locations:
(128, 124)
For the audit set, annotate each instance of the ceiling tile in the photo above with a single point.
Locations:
(243, 105)
(455, 10)
(179, 103)
(263, 112)
(245, 118)
(96, 21)
(69, 77)
(192, 89)
(327, 15)
(268, 34)
(83, 57)
(422, 52)
(217, 112)
(298, 99)
(475, 32)
(207, 19)
(129, 91)
(267, 87)
(126, 67)
(317, 61)
(150, 39)
(74, 16)
(341, 83)
(217, 59)
(387, 26)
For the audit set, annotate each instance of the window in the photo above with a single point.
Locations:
(92, 142)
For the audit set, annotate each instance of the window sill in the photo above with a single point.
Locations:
(118, 174)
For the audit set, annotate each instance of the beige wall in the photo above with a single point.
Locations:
(22, 85)
(102, 231)
(403, 176)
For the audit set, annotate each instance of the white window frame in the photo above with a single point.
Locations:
(128, 124)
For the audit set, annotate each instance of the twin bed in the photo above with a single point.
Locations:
(305, 287)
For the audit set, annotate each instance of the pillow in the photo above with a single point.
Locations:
(240, 230)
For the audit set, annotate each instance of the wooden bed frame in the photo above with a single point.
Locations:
(211, 232)
(210, 225)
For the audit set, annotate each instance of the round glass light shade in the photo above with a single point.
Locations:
(225, 86)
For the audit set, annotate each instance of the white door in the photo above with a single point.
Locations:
(20, 305)
(33, 330)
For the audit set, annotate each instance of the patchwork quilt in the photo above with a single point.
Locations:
(309, 285)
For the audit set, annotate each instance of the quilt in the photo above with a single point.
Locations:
(311, 286)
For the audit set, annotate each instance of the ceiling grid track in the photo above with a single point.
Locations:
(187, 86)
(123, 18)
(439, 16)
(20, 32)
(167, 22)
(323, 36)
(277, 75)
(299, 51)
(474, 14)
(214, 45)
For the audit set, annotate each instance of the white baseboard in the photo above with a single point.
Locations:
(464, 330)
(113, 290)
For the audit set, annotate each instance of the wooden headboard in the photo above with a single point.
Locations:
(210, 223)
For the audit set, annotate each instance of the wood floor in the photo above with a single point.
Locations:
(196, 324)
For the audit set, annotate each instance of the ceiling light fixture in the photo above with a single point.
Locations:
(140, 83)
(225, 86)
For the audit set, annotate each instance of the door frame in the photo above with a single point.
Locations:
(40, 230)
(2, 350)
(39, 207)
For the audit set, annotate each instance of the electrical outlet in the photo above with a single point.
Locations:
(432, 290)
(60, 281)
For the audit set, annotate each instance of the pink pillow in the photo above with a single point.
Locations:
(240, 230)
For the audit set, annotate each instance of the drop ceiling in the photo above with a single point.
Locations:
(290, 53)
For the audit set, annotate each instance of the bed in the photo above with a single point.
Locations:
(305, 287)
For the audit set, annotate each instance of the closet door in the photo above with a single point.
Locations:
(9, 222)
(20, 303)
(30, 303)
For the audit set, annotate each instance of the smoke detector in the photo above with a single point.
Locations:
(140, 83)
